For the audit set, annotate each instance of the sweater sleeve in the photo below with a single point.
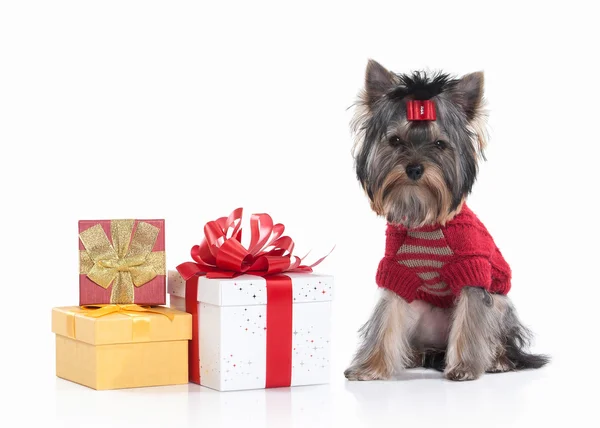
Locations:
(397, 278)
(470, 264)
(468, 272)
(501, 273)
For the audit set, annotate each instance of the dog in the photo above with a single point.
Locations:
(419, 138)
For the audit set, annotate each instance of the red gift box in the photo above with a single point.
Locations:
(122, 262)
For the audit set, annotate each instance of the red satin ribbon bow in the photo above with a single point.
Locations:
(222, 255)
(420, 110)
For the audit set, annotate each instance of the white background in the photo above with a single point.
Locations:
(187, 110)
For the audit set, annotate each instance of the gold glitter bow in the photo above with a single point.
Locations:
(128, 262)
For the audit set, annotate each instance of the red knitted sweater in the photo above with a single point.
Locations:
(433, 263)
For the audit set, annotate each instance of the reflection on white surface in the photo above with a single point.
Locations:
(417, 396)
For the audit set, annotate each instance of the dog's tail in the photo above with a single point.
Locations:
(516, 341)
(514, 348)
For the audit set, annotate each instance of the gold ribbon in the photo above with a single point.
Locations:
(141, 324)
(71, 324)
(97, 311)
(127, 262)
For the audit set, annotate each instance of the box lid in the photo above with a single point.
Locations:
(122, 327)
(247, 290)
(137, 243)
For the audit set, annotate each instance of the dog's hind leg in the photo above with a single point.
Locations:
(430, 359)
(386, 337)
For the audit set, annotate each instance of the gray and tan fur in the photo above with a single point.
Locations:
(482, 332)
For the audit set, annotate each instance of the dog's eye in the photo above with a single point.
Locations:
(395, 141)
(440, 144)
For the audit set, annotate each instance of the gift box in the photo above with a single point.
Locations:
(256, 332)
(261, 319)
(121, 346)
(122, 262)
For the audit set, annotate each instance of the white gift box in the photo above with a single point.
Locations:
(232, 321)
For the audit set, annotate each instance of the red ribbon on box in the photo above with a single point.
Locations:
(420, 110)
(269, 254)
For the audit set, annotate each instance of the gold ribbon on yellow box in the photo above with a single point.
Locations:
(96, 311)
(127, 262)
(140, 328)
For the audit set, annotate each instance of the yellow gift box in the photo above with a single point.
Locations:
(121, 346)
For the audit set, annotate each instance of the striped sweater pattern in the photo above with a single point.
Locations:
(433, 263)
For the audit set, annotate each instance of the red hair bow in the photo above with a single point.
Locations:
(420, 110)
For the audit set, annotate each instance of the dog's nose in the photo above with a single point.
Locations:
(414, 171)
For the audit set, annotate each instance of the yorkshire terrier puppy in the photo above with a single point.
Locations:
(419, 138)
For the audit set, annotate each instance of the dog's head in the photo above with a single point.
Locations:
(418, 172)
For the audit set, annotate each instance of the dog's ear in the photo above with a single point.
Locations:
(468, 94)
(378, 81)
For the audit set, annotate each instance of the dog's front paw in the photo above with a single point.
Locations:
(361, 372)
(461, 374)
